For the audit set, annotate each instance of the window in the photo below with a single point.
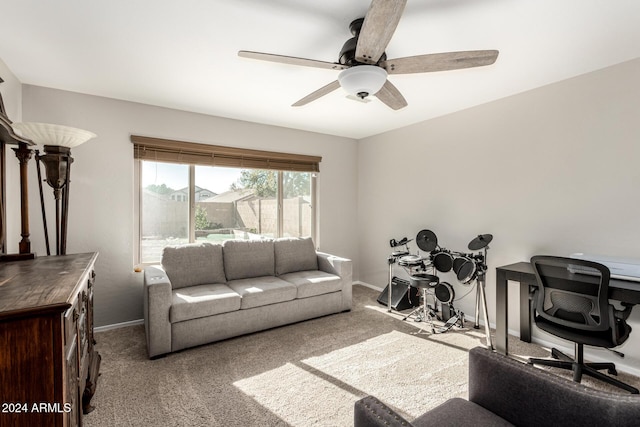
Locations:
(297, 205)
(164, 214)
(228, 203)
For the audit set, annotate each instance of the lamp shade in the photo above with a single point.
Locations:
(362, 80)
(50, 134)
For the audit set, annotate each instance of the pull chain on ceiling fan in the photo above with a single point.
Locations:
(363, 63)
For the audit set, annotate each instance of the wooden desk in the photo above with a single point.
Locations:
(522, 272)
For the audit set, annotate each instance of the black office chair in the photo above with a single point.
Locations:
(571, 302)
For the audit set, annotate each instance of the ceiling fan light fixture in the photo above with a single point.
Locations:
(362, 80)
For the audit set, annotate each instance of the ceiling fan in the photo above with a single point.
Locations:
(363, 62)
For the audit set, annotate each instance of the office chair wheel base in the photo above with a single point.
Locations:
(555, 353)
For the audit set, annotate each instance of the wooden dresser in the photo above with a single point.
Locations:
(48, 364)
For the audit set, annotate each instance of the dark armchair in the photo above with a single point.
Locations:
(571, 302)
(504, 392)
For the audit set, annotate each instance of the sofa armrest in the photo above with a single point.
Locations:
(369, 412)
(157, 295)
(342, 267)
(529, 396)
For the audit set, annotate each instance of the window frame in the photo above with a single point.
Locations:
(192, 206)
(174, 151)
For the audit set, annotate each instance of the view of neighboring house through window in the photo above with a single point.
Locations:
(229, 203)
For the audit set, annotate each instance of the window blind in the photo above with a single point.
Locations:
(167, 150)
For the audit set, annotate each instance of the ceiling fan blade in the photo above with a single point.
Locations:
(378, 27)
(390, 95)
(440, 61)
(317, 94)
(292, 60)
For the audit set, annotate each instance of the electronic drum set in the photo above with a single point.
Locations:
(467, 267)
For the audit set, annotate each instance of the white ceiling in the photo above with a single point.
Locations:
(183, 54)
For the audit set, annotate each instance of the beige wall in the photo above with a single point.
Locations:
(550, 171)
(102, 190)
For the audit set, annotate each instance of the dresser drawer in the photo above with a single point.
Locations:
(70, 329)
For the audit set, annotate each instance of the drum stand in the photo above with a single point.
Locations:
(423, 313)
(481, 299)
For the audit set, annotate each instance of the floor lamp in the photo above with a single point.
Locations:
(9, 137)
(57, 141)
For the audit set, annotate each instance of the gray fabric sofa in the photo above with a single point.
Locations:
(505, 392)
(204, 292)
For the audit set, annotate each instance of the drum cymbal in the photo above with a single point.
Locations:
(480, 242)
(427, 240)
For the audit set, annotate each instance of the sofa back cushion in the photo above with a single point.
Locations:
(295, 254)
(248, 258)
(193, 264)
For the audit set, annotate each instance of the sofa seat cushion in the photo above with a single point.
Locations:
(201, 301)
(313, 282)
(265, 290)
(193, 264)
(248, 258)
(295, 254)
(460, 412)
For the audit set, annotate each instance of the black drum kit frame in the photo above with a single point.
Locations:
(422, 270)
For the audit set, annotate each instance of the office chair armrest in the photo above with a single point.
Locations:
(623, 314)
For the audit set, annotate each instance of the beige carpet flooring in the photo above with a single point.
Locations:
(307, 374)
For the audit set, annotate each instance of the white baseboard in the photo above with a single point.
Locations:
(367, 285)
(119, 325)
